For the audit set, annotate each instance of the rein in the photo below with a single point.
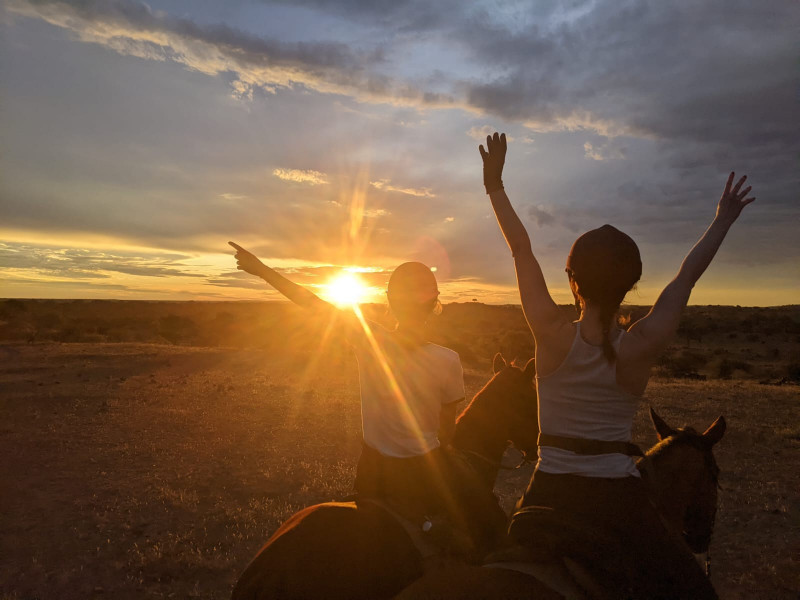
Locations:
(524, 460)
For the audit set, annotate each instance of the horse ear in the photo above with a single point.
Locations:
(714, 433)
(530, 369)
(499, 363)
(662, 429)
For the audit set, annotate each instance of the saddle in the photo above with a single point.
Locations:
(434, 537)
(590, 553)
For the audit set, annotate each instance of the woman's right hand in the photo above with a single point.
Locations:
(247, 261)
(733, 201)
(494, 157)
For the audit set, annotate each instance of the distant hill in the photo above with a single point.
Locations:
(712, 342)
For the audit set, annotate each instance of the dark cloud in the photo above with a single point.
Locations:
(131, 27)
(394, 15)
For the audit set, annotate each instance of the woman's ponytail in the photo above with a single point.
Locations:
(608, 310)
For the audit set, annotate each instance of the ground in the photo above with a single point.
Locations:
(142, 470)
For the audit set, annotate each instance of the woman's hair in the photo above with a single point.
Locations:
(605, 264)
(413, 292)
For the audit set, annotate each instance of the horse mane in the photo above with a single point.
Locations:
(686, 436)
(476, 399)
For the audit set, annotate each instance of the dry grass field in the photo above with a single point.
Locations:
(150, 470)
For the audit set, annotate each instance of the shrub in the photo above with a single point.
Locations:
(517, 345)
(683, 365)
(177, 329)
(727, 366)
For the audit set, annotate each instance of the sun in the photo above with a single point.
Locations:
(346, 290)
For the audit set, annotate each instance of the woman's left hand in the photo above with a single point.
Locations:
(733, 200)
(494, 157)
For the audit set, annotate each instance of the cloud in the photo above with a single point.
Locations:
(386, 186)
(729, 80)
(237, 279)
(603, 151)
(132, 28)
(480, 133)
(374, 213)
(76, 263)
(541, 216)
(300, 176)
(232, 197)
(617, 70)
(683, 91)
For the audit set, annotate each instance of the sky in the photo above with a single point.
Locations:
(137, 139)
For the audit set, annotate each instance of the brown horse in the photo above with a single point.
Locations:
(562, 561)
(360, 550)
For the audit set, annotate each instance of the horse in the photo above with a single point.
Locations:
(363, 549)
(567, 560)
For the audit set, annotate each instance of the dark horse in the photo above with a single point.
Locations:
(567, 561)
(360, 550)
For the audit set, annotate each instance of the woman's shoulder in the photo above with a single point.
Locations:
(441, 352)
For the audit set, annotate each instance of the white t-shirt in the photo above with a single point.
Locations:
(403, 390)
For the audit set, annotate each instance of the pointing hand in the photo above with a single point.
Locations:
(247, 261)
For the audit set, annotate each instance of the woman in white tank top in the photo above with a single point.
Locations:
(590, 376)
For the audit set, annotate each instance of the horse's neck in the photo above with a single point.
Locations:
(483, 444)
(668, 492)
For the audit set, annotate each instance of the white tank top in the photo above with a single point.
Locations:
(581, 399)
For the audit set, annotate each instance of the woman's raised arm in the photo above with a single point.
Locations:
(543, 315)
(249, 263)
(654, 331)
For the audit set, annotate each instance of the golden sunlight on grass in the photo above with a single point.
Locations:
(346, 290)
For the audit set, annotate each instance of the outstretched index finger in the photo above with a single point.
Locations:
(237, 247)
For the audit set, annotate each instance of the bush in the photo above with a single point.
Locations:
(517, 345)
(728, 366)
(683, 365)
(177, 329)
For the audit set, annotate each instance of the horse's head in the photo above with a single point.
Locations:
(683, 478)
(506, 408)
